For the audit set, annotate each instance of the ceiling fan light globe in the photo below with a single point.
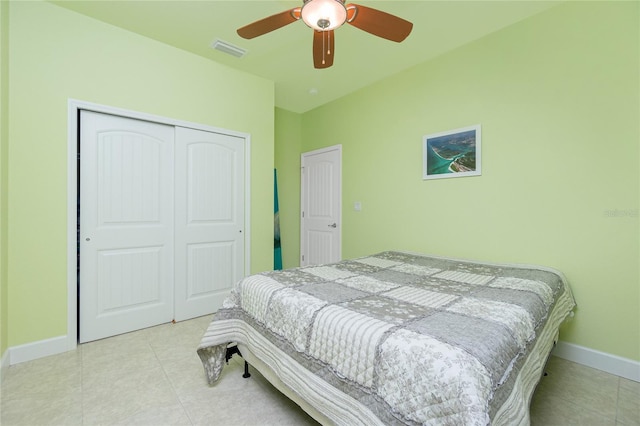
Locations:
(324, 15)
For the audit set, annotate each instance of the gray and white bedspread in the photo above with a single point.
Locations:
(414, 339)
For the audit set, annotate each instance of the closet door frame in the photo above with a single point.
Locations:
(74, 107)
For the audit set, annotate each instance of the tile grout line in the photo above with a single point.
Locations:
(615, 418)
(582, 407)
(175, 391)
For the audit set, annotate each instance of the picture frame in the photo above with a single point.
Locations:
(452, 153)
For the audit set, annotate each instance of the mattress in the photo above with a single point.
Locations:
(397, 338)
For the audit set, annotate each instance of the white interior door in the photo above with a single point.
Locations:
(126, 240)
(321, 210)
(209, 223)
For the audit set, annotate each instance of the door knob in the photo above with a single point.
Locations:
(333, 225)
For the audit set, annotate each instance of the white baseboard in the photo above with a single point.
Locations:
(609, 363)
(39, 349)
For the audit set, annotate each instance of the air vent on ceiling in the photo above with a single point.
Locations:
(228, 48)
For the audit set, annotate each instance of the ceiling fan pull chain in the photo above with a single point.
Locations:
(323, 49)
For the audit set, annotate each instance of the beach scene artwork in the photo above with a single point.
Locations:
(453, 153)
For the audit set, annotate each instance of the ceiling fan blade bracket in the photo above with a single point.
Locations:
(352, 12)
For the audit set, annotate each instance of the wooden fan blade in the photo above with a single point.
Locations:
(378, 23)
(323, 48)
(269, 23)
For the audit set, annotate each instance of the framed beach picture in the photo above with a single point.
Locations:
(454, 153)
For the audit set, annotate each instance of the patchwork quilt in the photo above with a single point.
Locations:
(414, 339)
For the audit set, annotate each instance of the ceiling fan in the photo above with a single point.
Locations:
(324, 16)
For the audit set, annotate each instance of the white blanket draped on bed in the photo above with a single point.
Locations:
(411, 339)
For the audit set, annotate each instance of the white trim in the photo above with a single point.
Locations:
(247, 205)
(39, 349)
(73, 107)
(72, 208)
(612, 364)
(609, 363)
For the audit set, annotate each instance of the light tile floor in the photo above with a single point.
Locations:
(154, 377)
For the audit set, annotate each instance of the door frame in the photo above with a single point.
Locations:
(73, 125)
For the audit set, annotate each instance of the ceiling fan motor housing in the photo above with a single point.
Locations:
(324, 15)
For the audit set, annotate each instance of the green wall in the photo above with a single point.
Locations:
(55, 55)
(557, 97)
(4, 143)
(288, 147)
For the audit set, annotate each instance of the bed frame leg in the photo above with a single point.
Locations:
(234, 350)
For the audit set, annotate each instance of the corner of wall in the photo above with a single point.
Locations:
(287, 150)
(4, 136)
(4, 364)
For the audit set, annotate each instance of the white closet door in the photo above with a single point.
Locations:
(209, 223)
(126, 241)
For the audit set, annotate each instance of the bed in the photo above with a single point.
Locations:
(396, 338)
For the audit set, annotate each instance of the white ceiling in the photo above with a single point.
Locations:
(284, 56)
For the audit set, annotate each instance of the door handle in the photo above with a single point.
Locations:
(333, 225)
